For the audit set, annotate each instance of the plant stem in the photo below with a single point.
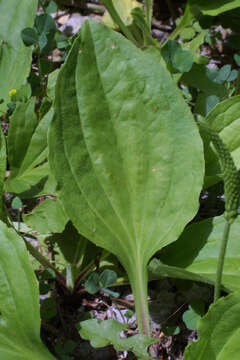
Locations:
(221, 260)
(139, 282)
(149, 4)
(42, 259)
(33, 251)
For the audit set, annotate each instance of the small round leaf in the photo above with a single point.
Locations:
(29, 36)
(92, 283)
(191, 317)
(45, 24)
(107, 277)
(17, 203)
(183, 60)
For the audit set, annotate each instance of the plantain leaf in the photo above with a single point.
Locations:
(27, 139)
(32, 183)
(196, 253)
(37, 150)
(27, 148)
(219, 332)
(19, 302)
(22, 125)
(120, 154)
(15, 57)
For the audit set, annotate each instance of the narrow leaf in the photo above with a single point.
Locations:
(37, 150)
(22, 125)
(27, 148)
(19, 302)
(31, 183)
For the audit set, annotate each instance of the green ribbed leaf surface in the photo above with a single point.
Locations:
(121, 139)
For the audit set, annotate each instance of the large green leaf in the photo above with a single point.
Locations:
(22, 125)
(225, 119)
(15, 57)
(214, 7)
(197, 251)
(120, 154)
(219, 332)
(19, 302)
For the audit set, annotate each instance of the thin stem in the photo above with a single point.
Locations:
(42, 259)
(34, 252)
(139, 282)
(149, 5)
(221, 258)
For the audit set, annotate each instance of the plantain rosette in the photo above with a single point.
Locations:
(125, 151)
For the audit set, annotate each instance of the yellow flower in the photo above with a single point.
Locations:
(12, 92)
